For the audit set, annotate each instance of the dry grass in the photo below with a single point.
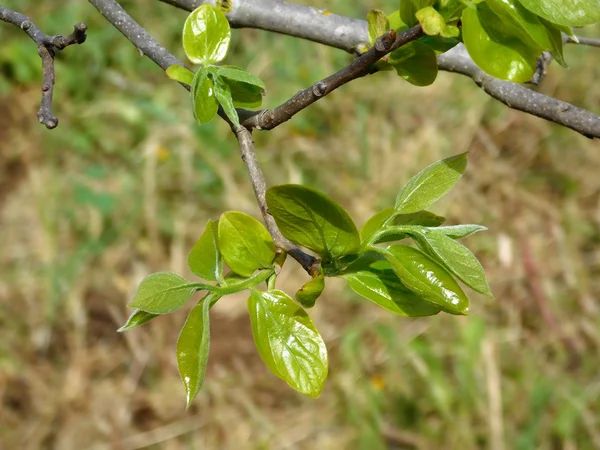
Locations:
(124, 186)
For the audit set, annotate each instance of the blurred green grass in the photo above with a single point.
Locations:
(126, 183)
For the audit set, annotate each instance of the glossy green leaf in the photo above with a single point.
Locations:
(458, 231)
(556, 40)
(430, 184)
(223, 96)
(454, 256)
(137, 319)
(206, 35)
(374, 224)
(396, 22)
(415, 62)
(378, 24)
(310, 219)
(288, 342)
(409, 8)
(517, 21)
(205, 259)
(180, 74)
(204, 102)
(433, 23)
(439, 44)
(311, 291)
(246, 89)
(495, 52)
(193, 346)
(427, 279)
(571, 13)
(450, 9)
(164, 292)
(245, 243)
(379, 283)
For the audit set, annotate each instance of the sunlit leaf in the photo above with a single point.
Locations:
(204, 102)
(180, 74)
(223, 96)
(137, 319)
(378, 24)
(374, 224)
(193, 346)
(245, 243)
(433, 23)
(288, 342)
(427, 279)
(496, 53)
(415, 62)
(571, 13)
(206, 35)
(409, 8)
(164, 292)
(454, 256)
(377, 281)
(205, 258)
(430, 184)
(312, 220)
(246, 89)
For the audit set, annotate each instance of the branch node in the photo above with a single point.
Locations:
(319, 89)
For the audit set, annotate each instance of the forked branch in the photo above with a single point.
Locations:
(352, 35)
(47, 48)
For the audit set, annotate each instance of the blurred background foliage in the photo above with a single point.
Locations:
(126, 183)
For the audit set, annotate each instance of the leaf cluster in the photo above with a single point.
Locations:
(206, 36)
(236, 253)
(504, 37)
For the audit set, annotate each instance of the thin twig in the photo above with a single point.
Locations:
(341, 32)
(591, 42)
(47, 48)
(259, 185)
(360, 67)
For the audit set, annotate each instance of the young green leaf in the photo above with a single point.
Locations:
(458, 231)
(375, 223)
(415, 62)
(450, 9)
(223, 96)
(193, 346)
(137, 319)
(430, 184)
(246, 89)
(205, 258)
(454, 256)
(378, 282)
(312, 220)
(204, 102)
(378, 24)
(498, 54)
(426, 278)
(164, 292)
(206, 35)
(180, 74)
(556, 40)
(311, 291)
(571, 13)
(245, 243)
(288, 342)
(433, 23)
(409, 8)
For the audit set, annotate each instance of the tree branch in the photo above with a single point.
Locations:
(305, 22)
(139, 37)
(387, 43)
(519, 97)
(259, 185)
(352, 35)
(47, 48)
(591, 42)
